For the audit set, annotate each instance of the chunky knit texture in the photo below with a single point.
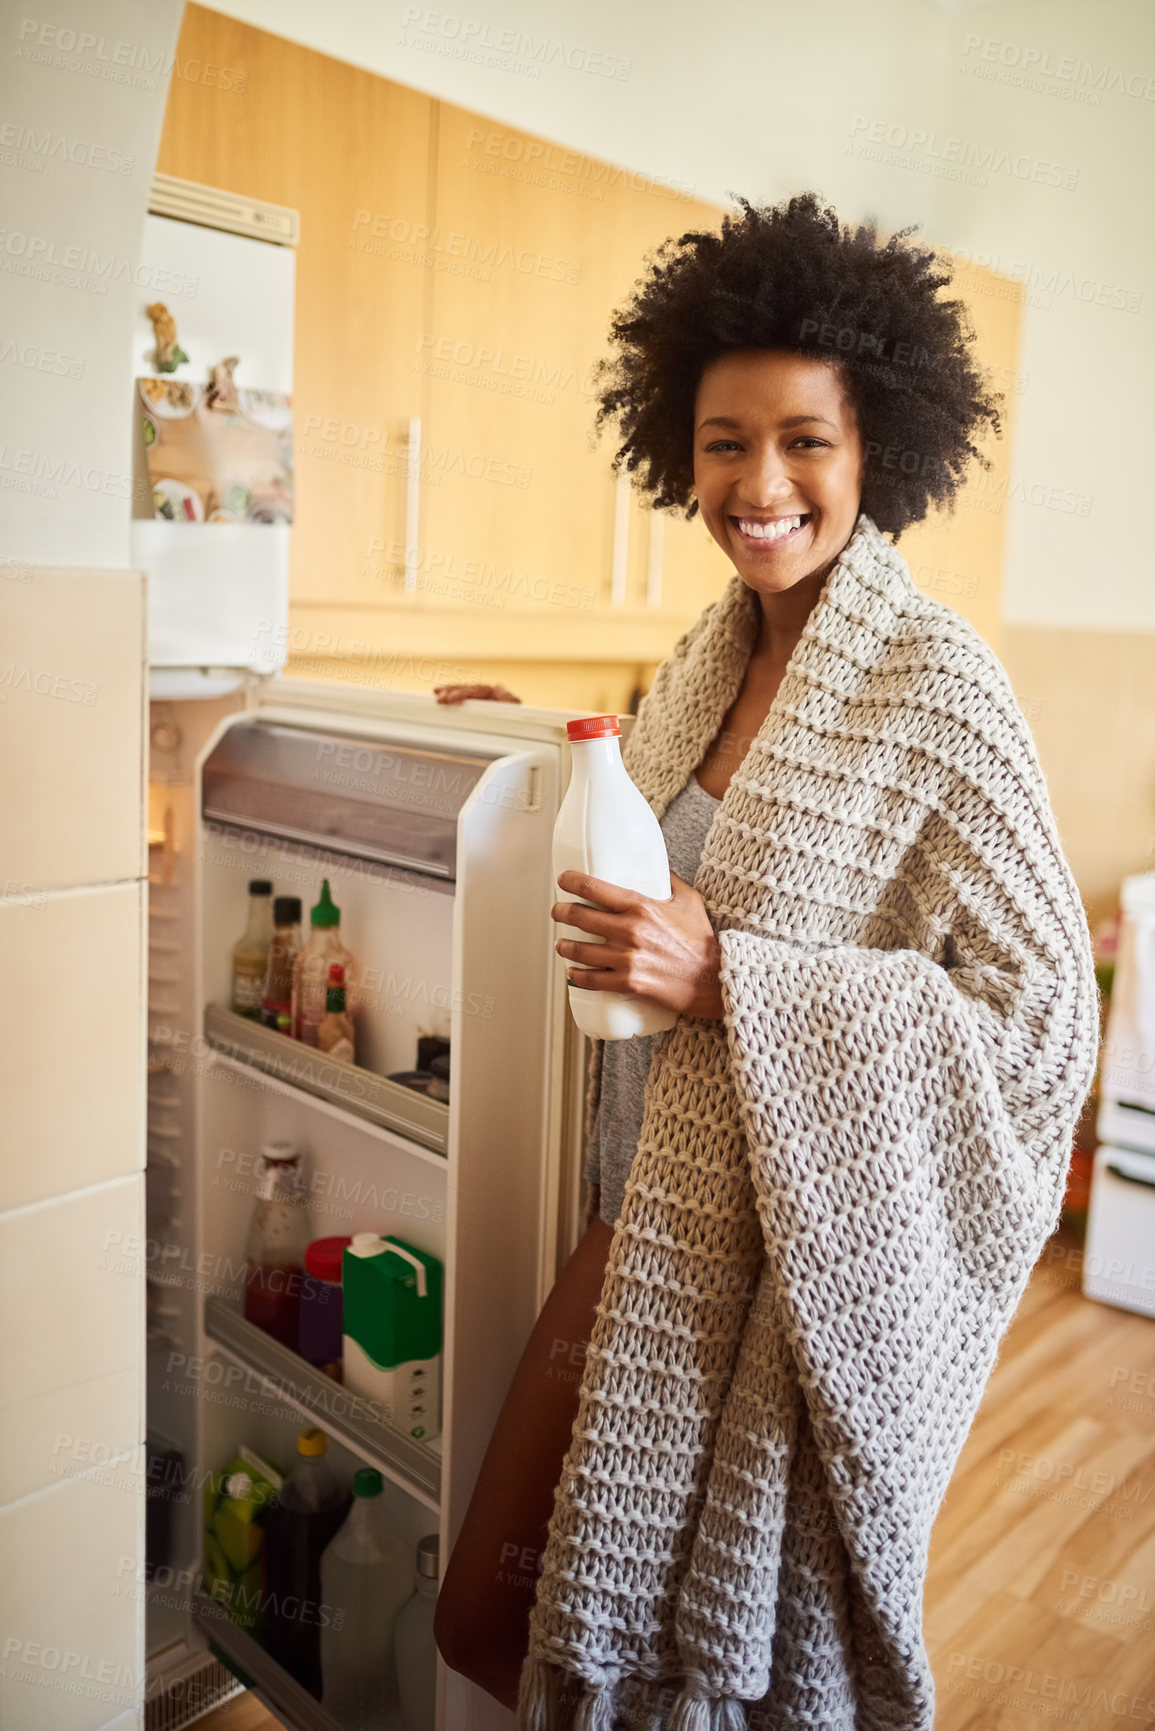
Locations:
(840, 1190)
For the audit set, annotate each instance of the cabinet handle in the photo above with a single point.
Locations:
(621, 541)
(1129, 1177)
(412, 503)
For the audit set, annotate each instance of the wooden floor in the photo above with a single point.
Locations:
(1040, 1598)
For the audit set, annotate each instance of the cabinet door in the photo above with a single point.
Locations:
(519, 511)
(350, 152)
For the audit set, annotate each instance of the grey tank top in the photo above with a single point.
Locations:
(626, 1063)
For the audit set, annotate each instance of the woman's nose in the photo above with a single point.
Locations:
(764, 479)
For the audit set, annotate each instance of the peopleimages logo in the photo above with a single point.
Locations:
(915, 147)
(1034, 63)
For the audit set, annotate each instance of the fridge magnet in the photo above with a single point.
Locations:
(217, 453)
(169, 354)
(222, 391)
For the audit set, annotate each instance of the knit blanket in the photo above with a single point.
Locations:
(839, 1191)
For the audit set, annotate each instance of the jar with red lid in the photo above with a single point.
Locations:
(321, 1306)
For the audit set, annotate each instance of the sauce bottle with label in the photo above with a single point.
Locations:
(251, 953)
(283, 952)
(275, 1248)
(335, 1035)
(311, 968)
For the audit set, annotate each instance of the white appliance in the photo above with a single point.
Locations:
(1119, 1255)
(218, 592)
(434, 827)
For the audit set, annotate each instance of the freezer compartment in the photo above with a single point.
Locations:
(396, 804)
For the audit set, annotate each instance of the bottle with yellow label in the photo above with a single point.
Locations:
(251, 954)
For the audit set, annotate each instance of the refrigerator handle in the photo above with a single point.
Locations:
(1117, 1171)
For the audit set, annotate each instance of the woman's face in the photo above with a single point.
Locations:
(778, 464)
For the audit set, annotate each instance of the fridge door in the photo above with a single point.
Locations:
(438, 845)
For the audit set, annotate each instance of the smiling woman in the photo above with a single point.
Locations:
(828, 1182)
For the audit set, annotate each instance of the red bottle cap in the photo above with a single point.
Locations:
(337, 973)
(323, 1258)
(594, 727)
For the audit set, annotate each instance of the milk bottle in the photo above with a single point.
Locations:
(606, 829)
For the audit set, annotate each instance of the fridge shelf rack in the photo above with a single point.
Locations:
(414, 1466)
(235, 1647)
(377, 1100)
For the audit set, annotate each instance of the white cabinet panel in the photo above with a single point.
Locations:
(71, 1339)
(72, 710)
(71, 1040)
(70, 1606)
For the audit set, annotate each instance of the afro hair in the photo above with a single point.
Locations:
(790, 276)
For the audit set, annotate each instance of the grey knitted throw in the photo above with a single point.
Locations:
(839, 1191)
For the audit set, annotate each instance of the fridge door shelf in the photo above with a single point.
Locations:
(414, 1466)
(235, 1647)
(377, 800)
(377, 1100)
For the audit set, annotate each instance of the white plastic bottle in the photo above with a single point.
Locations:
(414, 1645)
(366, 1576)
(606, 828)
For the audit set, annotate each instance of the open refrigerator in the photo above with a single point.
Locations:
(434, 828)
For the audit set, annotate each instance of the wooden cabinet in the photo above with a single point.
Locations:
(528, 548)
(462, 275)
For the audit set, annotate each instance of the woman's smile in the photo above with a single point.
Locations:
(765, 535)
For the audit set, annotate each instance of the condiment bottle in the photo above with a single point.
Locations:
(251, 953)
(414, 1644)
(321, 1305)
(283, 952)
(366, 1575)
(311, 968)
(335, 1035)
(309, 1509)
(275, 1248)
(606, 829)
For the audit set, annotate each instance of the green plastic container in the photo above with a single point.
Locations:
(391, 1295)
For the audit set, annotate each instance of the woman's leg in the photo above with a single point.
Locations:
(481, 1623)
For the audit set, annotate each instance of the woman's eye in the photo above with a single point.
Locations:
(807, 441)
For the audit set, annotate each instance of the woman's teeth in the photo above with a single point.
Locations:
(773, 531)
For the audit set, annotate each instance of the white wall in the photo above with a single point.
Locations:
(79, 127)
(1072, 84)
(765, 98)
(82, 94)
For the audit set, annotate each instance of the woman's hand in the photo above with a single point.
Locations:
(458, 693)
(664, 950)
